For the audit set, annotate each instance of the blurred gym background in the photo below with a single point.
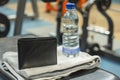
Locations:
(95, 17)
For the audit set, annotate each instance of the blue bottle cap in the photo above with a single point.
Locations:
(70, 6)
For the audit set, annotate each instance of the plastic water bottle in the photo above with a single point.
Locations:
(70, 38)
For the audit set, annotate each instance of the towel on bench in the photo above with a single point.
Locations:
(64, 67)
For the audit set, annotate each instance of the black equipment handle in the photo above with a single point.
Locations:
(110, 23)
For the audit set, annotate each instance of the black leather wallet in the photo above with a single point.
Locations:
(37, 52)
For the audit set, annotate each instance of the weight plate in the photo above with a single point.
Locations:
(3, 2)
(4, 25)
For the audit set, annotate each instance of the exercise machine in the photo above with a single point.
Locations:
(20, 15)
(92, 48)
(95, 48)
(102, 6)
(4, 20)
(26, 15)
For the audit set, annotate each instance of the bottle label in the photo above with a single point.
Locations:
(70, 51)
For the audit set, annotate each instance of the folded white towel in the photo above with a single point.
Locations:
(65, 66)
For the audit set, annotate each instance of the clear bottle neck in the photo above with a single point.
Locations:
(70, 10)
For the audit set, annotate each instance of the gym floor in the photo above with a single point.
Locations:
(95, 19)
